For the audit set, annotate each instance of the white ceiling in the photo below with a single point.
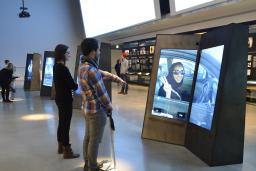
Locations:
(232, 12)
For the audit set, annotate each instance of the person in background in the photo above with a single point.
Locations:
(117, 67)
(5, 81)
(12, 85)
(64, 84)
(97, 100)
(123, 73)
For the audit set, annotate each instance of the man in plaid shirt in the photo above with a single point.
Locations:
(96, 99)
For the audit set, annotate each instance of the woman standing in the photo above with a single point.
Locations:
(64, 84)
(5, 81)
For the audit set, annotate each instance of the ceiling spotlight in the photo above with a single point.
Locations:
(23, 13)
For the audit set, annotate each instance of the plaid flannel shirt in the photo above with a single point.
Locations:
(93, 88)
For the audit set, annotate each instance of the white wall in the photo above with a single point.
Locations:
(51, 22)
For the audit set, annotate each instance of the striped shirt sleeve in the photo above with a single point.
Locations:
(108, 76)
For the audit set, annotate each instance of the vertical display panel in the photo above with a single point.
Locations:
(29, 69)
(28, 72)
(48, 72)
(174, 83)
(47, 87)
(203, 104)
(169, 95)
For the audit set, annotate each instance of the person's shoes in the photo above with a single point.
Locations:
(125, 93)
(8, 101)
(100, 165)
(68, 153)
(60, 148)
(96, 169)
(86, 167)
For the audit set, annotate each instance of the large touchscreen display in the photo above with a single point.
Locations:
(174, 82)
(206, 87)
(48, 72)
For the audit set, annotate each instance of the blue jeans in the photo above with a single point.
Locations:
(124, 86)
(95, 124)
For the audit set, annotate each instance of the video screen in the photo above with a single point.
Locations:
(206, 86)
(174, 83)
(48, 72)
(78, 91)
(29, 69)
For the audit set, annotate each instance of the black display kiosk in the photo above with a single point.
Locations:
(104, 64)
(47, 78)
(32, 72)
(217, 136)
(211, 121)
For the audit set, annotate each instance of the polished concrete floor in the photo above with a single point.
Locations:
(28, 138)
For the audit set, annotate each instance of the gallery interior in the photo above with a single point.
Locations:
(191, 101)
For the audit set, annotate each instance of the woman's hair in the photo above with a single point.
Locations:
(170, 77)
(10, 66)
(88, 45)
(6, 61)
(59, 52)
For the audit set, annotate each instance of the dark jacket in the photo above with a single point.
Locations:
(5, 76)
(64, 83)
(117, 68)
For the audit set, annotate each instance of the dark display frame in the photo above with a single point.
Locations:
(224, 143)
(27, 82)
(46, 90)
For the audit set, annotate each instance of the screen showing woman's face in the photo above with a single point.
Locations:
(178, 73)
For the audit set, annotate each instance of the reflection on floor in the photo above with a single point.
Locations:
(28, 138)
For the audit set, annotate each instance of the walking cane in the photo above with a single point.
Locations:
(112, 126)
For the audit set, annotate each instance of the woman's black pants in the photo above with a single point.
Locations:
(65, 115)
(5, 92)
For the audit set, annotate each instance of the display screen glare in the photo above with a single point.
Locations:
(48, 72)
(174, 82)
(29, 69)
(100, 17)
(206, 86)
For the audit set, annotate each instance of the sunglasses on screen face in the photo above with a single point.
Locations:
(178, 72)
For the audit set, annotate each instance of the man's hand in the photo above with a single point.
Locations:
(122, 82)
